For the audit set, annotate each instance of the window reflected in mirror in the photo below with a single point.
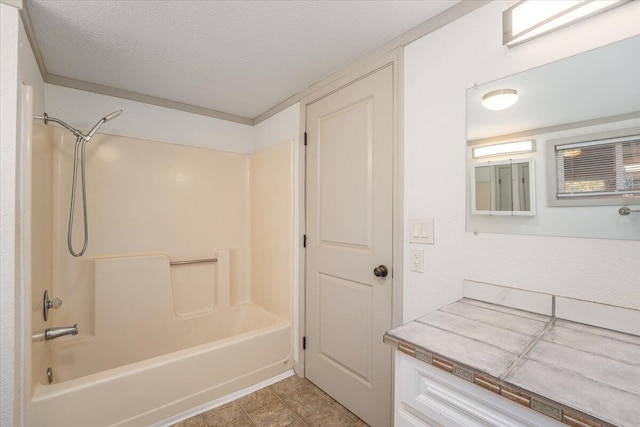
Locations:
(598, 168)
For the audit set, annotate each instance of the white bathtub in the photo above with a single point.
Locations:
(244, 345)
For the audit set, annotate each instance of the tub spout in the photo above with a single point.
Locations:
(53, 333)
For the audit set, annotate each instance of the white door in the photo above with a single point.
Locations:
(349, 233)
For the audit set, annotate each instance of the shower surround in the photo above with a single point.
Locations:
(157, 339)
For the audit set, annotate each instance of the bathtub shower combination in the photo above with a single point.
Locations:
(176, 301)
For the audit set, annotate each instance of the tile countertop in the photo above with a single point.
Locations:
(567, 370)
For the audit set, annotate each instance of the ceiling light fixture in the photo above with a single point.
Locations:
(508, 148)
(500, 99)
(529, 19)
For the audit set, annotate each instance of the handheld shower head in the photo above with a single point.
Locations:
(106, 118)
(112, 115)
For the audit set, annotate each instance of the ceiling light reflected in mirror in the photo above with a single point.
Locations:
(500, 99)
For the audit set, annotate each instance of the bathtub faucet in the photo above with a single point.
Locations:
(53, 333)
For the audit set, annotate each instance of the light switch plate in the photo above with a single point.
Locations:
(421, 231)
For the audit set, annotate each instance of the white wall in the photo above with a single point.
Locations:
(8, 135)
(281, 127)
(438, 69)
(82, 110)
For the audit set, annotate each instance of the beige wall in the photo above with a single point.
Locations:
(149, 197)
(272, 228)
(285, 126)
(41, 241)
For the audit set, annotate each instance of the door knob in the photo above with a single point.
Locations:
(380, 271)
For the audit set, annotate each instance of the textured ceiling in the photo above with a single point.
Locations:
(238, 57)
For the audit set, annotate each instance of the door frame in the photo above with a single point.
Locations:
(394, 58)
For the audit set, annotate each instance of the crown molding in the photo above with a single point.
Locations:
(15, 3)
(33, 41)
(146, 99)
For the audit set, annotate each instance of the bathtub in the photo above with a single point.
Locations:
(244, 345)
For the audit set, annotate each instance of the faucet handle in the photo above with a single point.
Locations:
(48, 304)
(54, 303)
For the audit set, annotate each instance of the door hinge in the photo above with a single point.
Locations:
(304, 343)
(305, 138)
(304, 241)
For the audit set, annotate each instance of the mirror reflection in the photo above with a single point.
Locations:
(503, 188)
(588, 97)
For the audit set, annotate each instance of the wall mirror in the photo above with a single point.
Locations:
(503, 188)
(595, 92)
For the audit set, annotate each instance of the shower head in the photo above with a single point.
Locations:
(106, 118)
(112, 115)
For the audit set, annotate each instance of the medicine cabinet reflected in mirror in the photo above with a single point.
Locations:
(503, 188)
(593, 93)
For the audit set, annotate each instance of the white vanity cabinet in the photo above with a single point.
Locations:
(426, 396)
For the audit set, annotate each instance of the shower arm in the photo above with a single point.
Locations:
(85, 137)
(45, 117)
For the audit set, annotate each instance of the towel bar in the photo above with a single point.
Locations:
(193, 261)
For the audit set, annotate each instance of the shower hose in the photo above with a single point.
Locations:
(80, 146)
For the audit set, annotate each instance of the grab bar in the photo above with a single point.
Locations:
(193, 261)
(626, 211)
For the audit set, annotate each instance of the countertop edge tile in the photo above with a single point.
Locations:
(496, 360)
(428, 356)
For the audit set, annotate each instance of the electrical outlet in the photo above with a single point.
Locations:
(417, 260)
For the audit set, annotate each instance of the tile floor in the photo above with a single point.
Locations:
(293, 402)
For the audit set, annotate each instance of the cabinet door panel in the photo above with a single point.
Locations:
(430, 395)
